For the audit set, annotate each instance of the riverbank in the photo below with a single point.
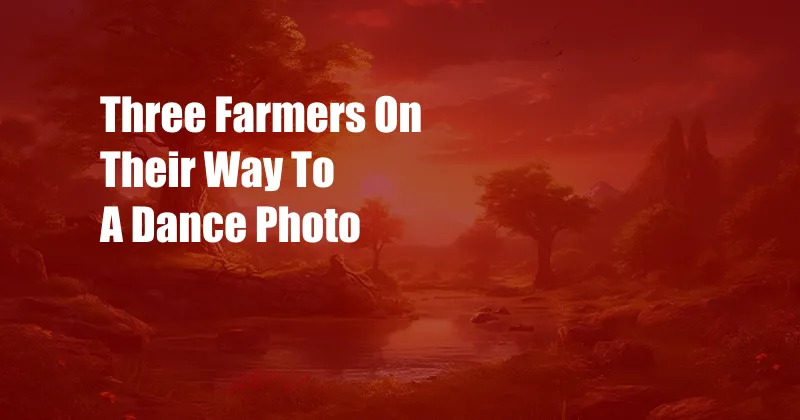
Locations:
(600, 349)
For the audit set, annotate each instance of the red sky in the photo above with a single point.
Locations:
(586, 85)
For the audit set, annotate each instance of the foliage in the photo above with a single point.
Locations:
(481, 244)
(527, 201)
(532, 386)
(676, 165)
(766, 217)
(41, 183)
(378, 228)
(776, 140)
(187, 51)
(660, 237)
(704, 183)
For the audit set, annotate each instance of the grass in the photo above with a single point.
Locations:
(532, 386)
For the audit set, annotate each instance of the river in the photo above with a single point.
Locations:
(441, 338)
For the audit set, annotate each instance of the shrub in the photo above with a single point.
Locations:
(660, 237)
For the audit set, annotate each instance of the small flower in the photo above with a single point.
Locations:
(775, 367)
(129, 417)
(761, 356)
(108, 396)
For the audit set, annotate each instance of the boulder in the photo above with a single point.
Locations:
(85, 317)
(522, 328)
(502, 311)
(22, 270)
(743, 295)
(483, 317)
(617, 318)
(703, 408)
(47, 375)
(617, 402)
(673, 317)
(623, 355)
(343, 292)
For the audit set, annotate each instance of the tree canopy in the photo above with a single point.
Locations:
(527, 201)
(187, 51)
(379, 227)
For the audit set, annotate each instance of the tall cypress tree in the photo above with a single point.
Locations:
(676, 166)
(703, 172)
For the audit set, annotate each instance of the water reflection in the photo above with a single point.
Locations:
(351, 349)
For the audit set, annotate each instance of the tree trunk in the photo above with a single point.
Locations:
(193, 198)
(545, 278)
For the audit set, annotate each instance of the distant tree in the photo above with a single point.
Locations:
(527, 201)
(481, 244)
(776, 141)
(660, 237)
(765, 219)
(378, 228)
(187, 51)
(704, 182)
(665, 177)
(43, 183)
(676, 166)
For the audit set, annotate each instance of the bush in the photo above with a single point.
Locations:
(660, 237)
(765, 219)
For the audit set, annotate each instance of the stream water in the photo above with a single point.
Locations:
(442, 338)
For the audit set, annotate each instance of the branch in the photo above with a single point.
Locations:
(139, 152)
(207, 142)
(153, 139)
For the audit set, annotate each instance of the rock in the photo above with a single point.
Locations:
(30, 264)
(486, 310)
(22, 271)
(617, 402)
(521, 328)
(239, 340)
(47, 375)
(502, 311)
(483, 317)
(742, 295)
(720, 330)
(698, 408)
(673, 317)
(619, 318)
(119, 340)
(623, 355)
(702, 408)
(345, 292)
(85, 317)
(585, 335)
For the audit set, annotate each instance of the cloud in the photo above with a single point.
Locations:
(371, 18)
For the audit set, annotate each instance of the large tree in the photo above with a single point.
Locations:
(42, 183)
(379, 227)
(527, 201)
(188, 51)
